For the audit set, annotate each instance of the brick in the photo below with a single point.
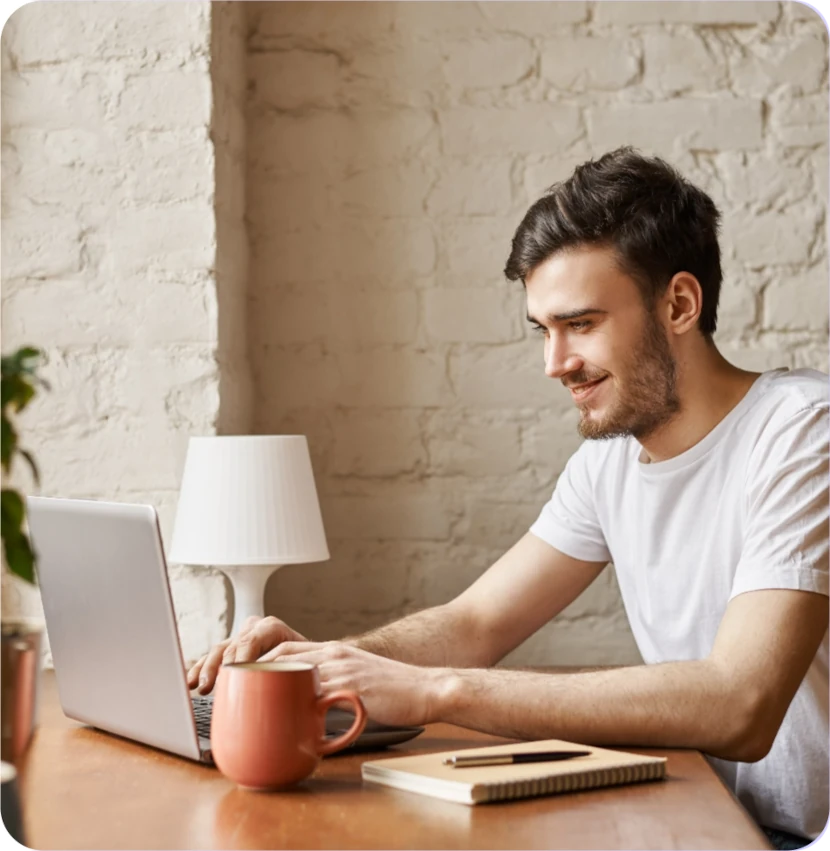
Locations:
(542, 172)
(295, 79)
(475, 250)
(399, 190)
(688, 123)
(39, 245)
(798, 301)
(798, 62)
(333, 24)
(772, 238)
(173, 237)
(579, 64)
(50, 32)
(458, 447)
(392, 378)
(473, 315)
(800, 122)
(162, 101)
(162, 313)
(470, 188)
(386, 518)
(528, 129)
(338, 317)
(38, 99)
(286, 203)
(385, 252)
(802, 12)
(757, 357)
(486, 63)
(510, 376)
(738, 306)
(499, 524)
(338, 143)
(681, 63)
(532, 18)
(377, 443)
(765, 179)
(548, 444)
(394, 72)
(335, 598)
(685, 12)
(811, 357)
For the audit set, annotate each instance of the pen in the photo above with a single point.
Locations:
(511, 758)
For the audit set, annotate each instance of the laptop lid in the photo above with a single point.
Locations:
(110, 620)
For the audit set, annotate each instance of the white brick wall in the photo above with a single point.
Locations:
(393, 148)
(379, 156)
(114, 254)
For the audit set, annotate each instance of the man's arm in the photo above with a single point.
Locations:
(729, 705)
(530, 584)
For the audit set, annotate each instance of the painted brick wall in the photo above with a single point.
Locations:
(121, 244)
(387, 154)
(392, 150)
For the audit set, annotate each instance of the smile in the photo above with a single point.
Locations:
(583, 391)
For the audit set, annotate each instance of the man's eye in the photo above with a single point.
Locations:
(539, 329)
(579, 325)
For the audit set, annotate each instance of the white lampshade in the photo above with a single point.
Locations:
(248, 505)
(248, 500)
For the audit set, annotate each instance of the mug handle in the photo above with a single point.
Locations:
(327, 746)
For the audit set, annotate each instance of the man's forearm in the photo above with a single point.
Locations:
(678, 704)
(432, 637)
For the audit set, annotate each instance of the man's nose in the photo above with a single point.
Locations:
(558, 360)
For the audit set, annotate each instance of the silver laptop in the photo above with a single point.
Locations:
(112, 629)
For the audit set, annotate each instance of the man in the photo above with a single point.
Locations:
(705, 484)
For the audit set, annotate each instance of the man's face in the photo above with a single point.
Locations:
(602, 342)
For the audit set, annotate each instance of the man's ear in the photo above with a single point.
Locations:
(683, 302)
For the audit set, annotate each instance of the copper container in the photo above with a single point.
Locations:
(20, 665)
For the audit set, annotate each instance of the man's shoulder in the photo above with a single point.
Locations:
(786, 394)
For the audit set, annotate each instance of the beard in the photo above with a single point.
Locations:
(647, 391)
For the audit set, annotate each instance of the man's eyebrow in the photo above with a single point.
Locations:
(571, 314)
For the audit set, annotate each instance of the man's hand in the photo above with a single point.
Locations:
(257, 636)
(392, 692)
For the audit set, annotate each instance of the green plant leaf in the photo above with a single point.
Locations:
(32, 465)
(13, 511)
(19, 554)
(20, 558)
(8, 442)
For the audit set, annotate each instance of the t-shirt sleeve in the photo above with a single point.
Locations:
(569, 520)
(786, 540)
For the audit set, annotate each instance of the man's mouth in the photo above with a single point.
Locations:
(579, 392)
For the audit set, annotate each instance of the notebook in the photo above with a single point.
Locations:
(427, 775)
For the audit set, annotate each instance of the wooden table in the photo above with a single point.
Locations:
(85, 789)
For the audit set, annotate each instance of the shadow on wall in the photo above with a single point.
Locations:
(380, 324)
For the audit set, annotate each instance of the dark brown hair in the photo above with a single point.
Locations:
(658, 222)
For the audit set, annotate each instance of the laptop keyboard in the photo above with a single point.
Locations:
(337, 720)
(202, 710)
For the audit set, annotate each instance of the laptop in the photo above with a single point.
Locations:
(112, 629)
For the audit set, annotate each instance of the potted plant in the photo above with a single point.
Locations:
(21, 637)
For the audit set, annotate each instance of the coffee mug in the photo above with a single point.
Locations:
(269, 721)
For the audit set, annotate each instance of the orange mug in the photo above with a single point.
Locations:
(268, 725)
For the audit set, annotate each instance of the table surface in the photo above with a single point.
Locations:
(85, 789)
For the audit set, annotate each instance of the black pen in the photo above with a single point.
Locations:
(511, 758)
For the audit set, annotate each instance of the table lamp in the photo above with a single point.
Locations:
(248, 505)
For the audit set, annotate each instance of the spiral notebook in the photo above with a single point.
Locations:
(426, 774)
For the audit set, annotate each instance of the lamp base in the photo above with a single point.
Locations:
(248, 583)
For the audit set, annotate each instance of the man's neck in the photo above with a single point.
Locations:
(708, 391)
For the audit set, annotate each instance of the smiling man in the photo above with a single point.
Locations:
(706, 486)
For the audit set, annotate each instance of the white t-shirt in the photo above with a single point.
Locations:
(744, 509)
